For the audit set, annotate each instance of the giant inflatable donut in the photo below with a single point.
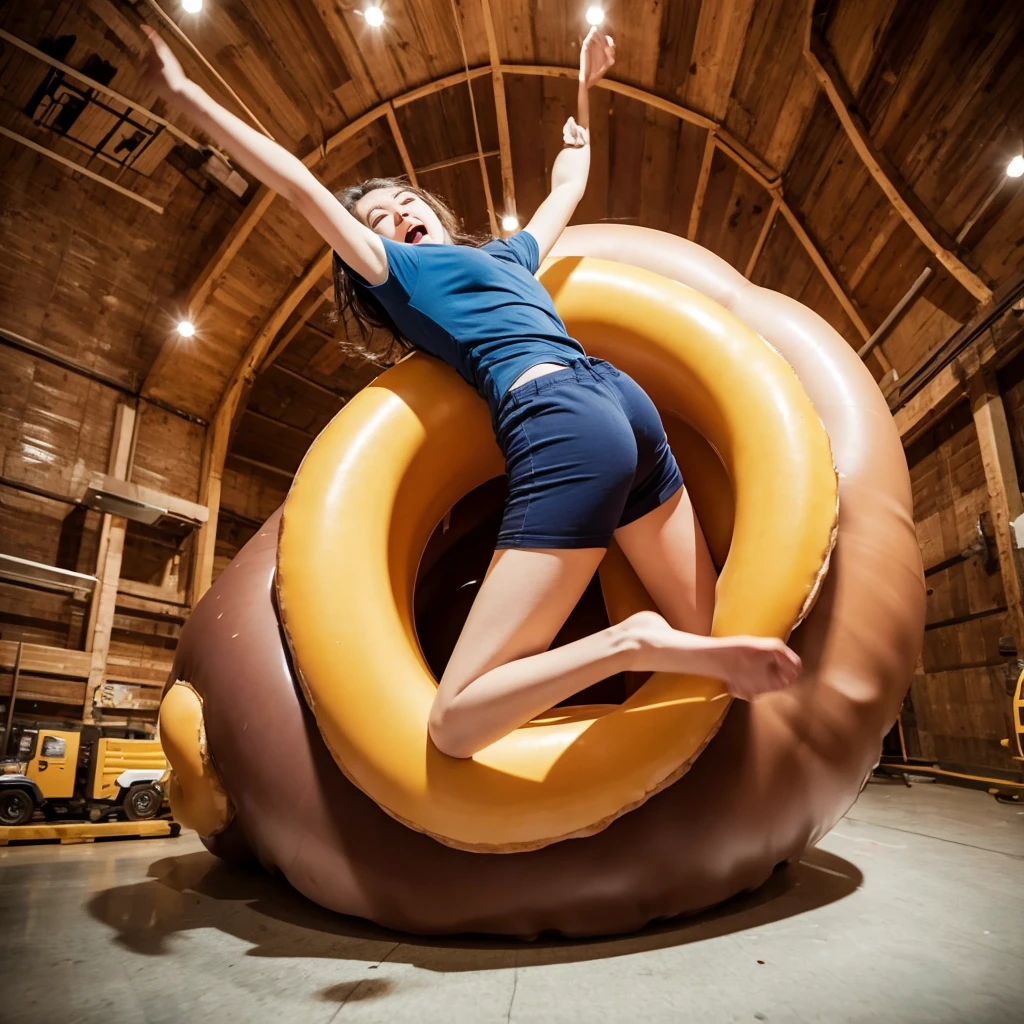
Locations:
(381, 476)
(776, 777)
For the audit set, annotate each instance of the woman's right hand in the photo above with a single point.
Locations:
(161, 69)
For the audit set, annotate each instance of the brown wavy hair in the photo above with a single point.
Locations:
(355, 300)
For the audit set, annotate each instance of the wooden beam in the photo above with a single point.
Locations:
(501, 112)
(484, 179)
(100, 87)
(308, 382)
(79, 169)
(173, 26)
(45, 660)
(762, 237)
(108, 564)
(403, 151)
(878, 166)
(993, 347)
(218, 434)
(824, 269)
(1004, 496)
(439, 85)
(310, 306)
(216, 269)
(702, 185)
(454, 161)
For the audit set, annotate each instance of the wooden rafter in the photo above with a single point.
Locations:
(825, 270)
(100, 623)
(309, 306)
(994, 342)
(879, 167)
(702, 185)
(762, 237)
(501, 111)
(218, 435)
(1004, 497)
(80, 169)
(403, 151)
(454, 161)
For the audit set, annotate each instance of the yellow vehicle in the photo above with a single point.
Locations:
(80, 775)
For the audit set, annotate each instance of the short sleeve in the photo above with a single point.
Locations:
(521, 248)
(403, 268)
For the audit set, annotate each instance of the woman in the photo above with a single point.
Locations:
(585, 450)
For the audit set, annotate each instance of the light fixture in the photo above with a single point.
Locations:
(192, 6)
(374, 16)
(594, 15)
(509, 223)
(1015, 168)
(186, 328)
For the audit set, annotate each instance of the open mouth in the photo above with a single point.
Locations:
(416, 234)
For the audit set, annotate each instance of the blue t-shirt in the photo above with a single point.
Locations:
(480, 310)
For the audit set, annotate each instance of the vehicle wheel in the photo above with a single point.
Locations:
(16, 807)
(142, 802)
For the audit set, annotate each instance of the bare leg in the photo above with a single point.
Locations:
(501, 673)
(667, 549)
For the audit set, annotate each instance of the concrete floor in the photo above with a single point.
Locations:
(911, 910)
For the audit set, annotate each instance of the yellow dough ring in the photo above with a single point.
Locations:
(380, 477)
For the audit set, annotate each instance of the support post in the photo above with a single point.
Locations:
(108, 565)
(1003, 488)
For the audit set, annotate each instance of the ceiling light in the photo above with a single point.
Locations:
(186, 328)
(594, 15)
(192, 6)
(374, 16)
(509, 223)
(1015, 168)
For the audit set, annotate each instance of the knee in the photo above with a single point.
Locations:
(446, 731)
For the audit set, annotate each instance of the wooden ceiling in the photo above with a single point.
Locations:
(715, 124)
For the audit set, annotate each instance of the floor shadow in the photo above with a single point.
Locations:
(198, 891)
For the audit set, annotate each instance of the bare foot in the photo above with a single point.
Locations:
(748, 665)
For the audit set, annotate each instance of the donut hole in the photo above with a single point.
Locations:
(449, 577)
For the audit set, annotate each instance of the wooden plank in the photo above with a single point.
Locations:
(100, 87)
(310, 306)
(762, 237)
(108, 563)
(991, 348)
(501, 113)
(702, 185)
(149, 592)
(438, 85)
(80, 169)
(403, 150)
(1004, 495)
(219, 431)
(878, 166)
(73, 832)
(824, 269)
(45, 660)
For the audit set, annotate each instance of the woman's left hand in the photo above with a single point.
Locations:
(597, 55)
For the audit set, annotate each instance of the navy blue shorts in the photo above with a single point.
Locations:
(585, 452)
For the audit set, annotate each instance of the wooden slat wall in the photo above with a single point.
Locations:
(958, 697)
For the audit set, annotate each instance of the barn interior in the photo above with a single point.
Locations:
(170, 348)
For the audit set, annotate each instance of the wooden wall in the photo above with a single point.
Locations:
(957, 709)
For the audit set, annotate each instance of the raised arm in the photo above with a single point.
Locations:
(272, 164)
(572, 166)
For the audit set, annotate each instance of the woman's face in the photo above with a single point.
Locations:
(401, 215)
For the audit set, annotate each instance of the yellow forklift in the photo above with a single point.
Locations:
(78, 774)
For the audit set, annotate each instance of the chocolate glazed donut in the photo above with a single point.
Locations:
(775, 779)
